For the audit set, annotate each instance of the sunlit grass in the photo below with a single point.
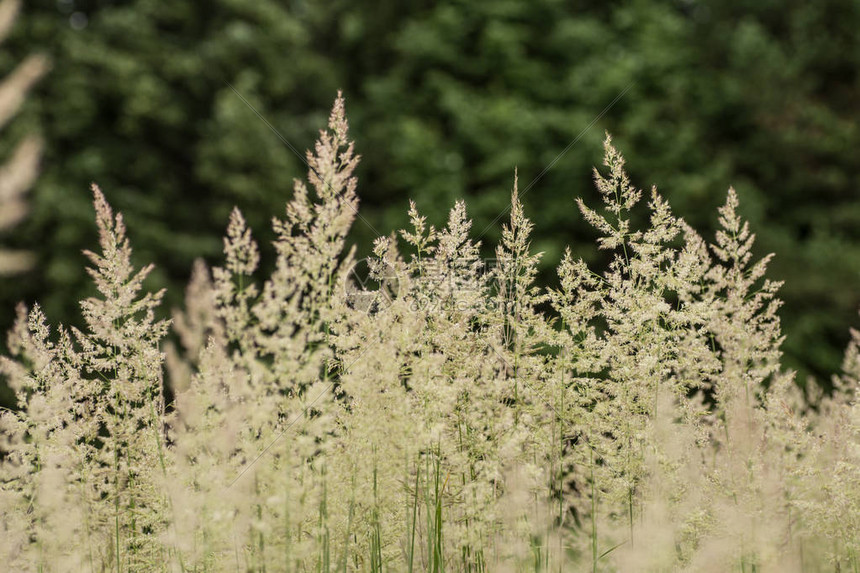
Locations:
(459, 418)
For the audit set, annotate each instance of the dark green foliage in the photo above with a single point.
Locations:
(445, 100)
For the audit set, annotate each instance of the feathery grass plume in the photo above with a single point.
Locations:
(745, 325)
(89, 454)
(521, 336)
(466, 409)
(521, 329)
(829, 500)
(272, 373)
(626, 343)
(120, 348)
(19, 172)
(43, 465)
(732, 454)
(663, 325)
(441, 414)
(441, 291)
(754, 440)
(487, 408)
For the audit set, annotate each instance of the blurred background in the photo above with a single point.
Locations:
(445, 99)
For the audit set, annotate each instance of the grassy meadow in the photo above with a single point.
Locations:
(426, 409)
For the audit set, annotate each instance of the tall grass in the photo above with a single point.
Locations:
(458, 418)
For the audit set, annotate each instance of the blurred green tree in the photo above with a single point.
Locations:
(445, 99)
